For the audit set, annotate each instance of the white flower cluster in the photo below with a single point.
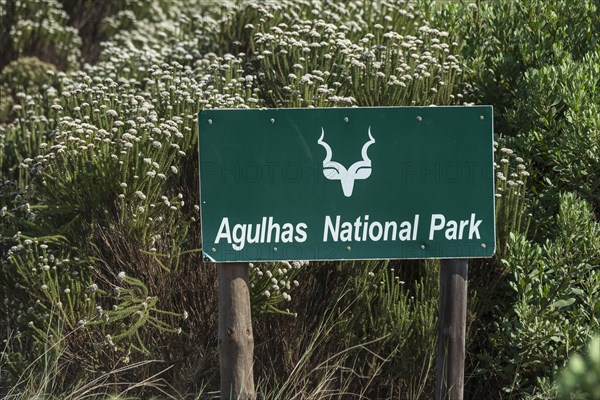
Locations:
(34, 267)
(105, 123)
(511, 196)
(46, 23)
(511, 174)
(339, 61)
(273, 283)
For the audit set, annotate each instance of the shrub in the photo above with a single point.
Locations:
(502, 40)
(527, 59)
(581, 377)
(562, 134)
(40, 28)
(56, 309)
(314, 64)
(549, 306)
(537, 63)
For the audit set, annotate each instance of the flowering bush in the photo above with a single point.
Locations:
(511, 196)
(41, 27)
(99, 202)
(54, 301)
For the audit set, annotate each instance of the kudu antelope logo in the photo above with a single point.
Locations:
(337, 172)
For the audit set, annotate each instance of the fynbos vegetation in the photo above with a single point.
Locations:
(102, 286)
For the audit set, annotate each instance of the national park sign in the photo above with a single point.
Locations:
(347, 183)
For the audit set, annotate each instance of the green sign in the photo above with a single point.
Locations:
(347, 183)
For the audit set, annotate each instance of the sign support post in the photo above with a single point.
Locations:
(450, 365)
(236, 340)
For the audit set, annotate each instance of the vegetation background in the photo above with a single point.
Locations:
(99, 198)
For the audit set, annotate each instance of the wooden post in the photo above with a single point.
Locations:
(236, 341)
(450, 368)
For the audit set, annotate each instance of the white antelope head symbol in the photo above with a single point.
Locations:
(335, 171)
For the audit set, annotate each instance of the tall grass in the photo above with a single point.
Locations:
(330, 361)
(50, 376)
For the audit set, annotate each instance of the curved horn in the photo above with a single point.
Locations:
(328, 152)
(366, 146)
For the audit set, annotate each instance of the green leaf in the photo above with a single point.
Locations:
(577, 291)
(563, 303)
